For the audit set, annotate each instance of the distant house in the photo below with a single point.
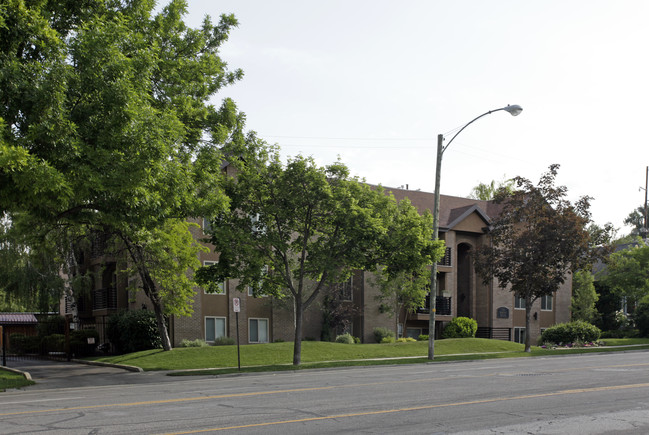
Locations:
(461, 292)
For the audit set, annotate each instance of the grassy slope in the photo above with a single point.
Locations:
(12, 380)
(312, 351)
(277, 356)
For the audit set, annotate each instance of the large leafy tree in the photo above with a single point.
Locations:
(538, 239)
(627, 272)
(107, 122)
(30, 278)
(294, 230)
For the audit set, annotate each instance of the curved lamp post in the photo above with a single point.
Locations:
(513, 110)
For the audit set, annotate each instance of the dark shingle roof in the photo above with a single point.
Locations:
(17, 319)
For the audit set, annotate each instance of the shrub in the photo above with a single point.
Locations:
(54, 343)
(51, 325)
(460, 327)
(641, 317)
(387, 340)
(572, 332)
(79, 345)
(357, 340)
(381, 333)
(345, 338)
(225, 341)
(22, 344)
(131, 331)
(620, 333)
(422, 337)
(193, 343)
(406, 340)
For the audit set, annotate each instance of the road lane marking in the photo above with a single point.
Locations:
(296, 390)
(418, 408)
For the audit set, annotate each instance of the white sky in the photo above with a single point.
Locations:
(375, 81)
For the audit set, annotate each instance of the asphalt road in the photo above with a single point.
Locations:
(581, 394)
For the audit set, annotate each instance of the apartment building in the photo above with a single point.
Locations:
(461, 292)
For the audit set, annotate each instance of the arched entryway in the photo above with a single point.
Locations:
(464, 280)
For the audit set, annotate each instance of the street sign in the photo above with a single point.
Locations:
(236, 305)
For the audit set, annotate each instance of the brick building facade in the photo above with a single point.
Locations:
(461, 292)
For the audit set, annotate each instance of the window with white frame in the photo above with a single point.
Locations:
(519, 335)
(258, 330)
(546, 303)
(214, 328)
(217, 289)
(519, 302)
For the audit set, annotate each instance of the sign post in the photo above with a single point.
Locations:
(236, 306)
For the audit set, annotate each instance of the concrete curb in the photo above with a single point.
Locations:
(104, 364)
(26, 375)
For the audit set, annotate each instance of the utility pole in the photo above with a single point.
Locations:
(646, 186)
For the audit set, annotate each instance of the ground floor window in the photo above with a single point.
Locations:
(258, 330)
(413, 332)
(519, 335)
(214, 328)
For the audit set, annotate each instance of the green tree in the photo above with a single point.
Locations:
(29, 275)
(635, 219)
(403, 293)
(108, 123)
(294, 230)
(584, 297)
(627, 272)
(487, 192)
(538, 239)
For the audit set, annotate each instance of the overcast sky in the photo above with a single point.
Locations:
(375, 82)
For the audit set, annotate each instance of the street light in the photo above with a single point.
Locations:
(513, 110)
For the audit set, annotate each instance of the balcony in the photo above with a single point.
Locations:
(442, 304)
(105, 298)
(446, 259)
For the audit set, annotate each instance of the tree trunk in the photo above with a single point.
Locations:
(151, 291)
(528, 310)
(297, 343)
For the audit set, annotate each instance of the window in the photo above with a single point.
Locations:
(207, 225)
(258, 330)
(214, 328)
(519, 302)
(344, 289)
(217, 289)
(519, 335)
(546, 303)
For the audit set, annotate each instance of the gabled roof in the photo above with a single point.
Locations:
(17, 319)
(459, 214)
(453, 209)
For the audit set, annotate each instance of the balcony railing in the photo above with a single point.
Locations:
(446, 259)
(105, 298)
(442, 305)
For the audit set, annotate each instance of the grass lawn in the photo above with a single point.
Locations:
(279, 356)
(12, 380)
